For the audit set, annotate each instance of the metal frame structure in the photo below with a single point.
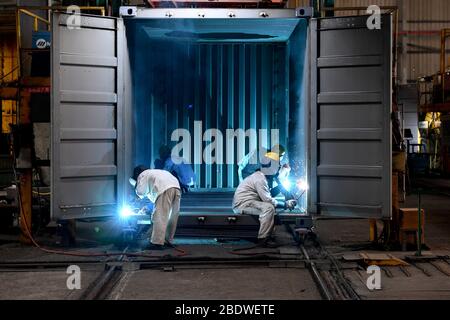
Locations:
(124, 147)
(218, 3)
(383, 170)
(133, 12)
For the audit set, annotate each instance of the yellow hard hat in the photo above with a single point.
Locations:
(273, 155)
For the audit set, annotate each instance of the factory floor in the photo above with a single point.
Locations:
(423, 278)
(263, 278)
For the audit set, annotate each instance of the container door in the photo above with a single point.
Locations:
(350, 162)
(86, 116)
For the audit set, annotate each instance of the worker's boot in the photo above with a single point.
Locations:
(267, 243)
(153, 247)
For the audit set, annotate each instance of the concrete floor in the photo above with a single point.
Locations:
(230, 283)
(345, 237)
(341, 237)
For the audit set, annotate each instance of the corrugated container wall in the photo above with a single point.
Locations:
(420, 22)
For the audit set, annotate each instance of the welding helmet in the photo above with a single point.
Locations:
(136, 172)
(279, 150)
(272, 156)
(270, 167)
(164, 152)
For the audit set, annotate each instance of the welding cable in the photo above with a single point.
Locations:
(237, 251)
(181, 251)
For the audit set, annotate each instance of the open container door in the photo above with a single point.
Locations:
(87, 147)
(350, 162)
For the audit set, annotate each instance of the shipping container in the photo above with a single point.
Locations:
(121, 86)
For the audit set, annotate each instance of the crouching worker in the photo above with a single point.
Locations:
(163, 189)
(253, 196)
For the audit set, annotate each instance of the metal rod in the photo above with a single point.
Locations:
(419, 231)
(356, 8)
(326, 294)
(35, 16)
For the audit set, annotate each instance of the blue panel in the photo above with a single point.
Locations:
(224, 84)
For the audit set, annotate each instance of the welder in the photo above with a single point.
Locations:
(253, 161)
(253, 196)
(163, 189)
(177, 166)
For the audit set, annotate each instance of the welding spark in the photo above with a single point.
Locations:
(302, 184)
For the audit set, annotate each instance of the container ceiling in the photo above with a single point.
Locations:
(220, 30)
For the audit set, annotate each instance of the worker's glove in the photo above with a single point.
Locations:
(290, 204)
(280, 204)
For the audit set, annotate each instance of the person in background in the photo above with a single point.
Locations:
(253, 196)
(176, 166)
(163, 189)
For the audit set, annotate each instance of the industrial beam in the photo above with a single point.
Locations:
(24, 168)
(438, 107)
(8, 93)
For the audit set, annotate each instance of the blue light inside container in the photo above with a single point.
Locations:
(226, 73)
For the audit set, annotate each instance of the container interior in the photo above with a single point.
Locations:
(220, 74)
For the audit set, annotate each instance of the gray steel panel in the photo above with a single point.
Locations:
(366, 115)
(349, 97)
(100, 116)
(87, 191)
(87, 79)
(342, 152)
(87, 152)
(86, 107)
(350, 118)
(365, 79)
(350, 190)
(216, 13)
(93, 42)
(89, 60)
(349, 133)
(349, 42)
(349, 61)
(91, 22)
(88, 134)
(88, 171)
(350, 170)
(83, 96)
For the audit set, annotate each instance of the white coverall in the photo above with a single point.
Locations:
(252, 196)
(163, 189)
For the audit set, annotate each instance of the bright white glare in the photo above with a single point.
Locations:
(302, 185)
(125, 212)
(286, 184)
